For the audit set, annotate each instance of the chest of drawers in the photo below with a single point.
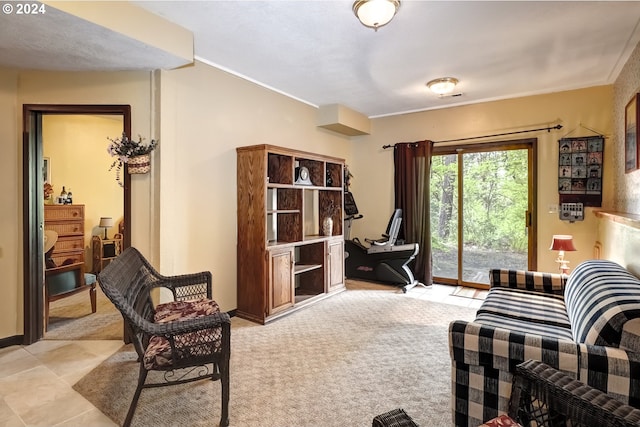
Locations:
(68, 222)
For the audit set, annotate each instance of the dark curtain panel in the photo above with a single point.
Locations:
(412, 162)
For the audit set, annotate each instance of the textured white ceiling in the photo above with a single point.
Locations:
(317, 51)
(55, 40)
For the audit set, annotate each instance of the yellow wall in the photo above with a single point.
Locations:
(200, 115)
(184, 211)
(10, 209)
(33, 87)
(132, 88)
(206, 114)
(76, 146)
(372, 166)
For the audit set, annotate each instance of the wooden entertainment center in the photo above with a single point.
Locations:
(285, 262)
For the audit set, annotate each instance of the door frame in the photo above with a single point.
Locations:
(33, 204)
(531, 219)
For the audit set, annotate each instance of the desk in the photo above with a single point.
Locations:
(104, 250)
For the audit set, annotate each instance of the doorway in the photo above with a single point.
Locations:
(33, 203)
(483, 210)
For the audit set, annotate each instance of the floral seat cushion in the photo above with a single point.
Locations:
(159, 354)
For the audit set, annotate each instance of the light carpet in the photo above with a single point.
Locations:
(339, 362)
(71, 319)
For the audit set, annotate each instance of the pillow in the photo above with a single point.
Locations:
(601, 296)
(159, 354)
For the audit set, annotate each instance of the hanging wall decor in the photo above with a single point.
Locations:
(580, 170)
(631, 123)
(134, 154)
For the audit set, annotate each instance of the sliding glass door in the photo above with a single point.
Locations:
(482, 207)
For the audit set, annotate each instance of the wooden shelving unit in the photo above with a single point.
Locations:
(284, 260)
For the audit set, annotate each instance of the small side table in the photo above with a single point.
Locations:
(104, 250)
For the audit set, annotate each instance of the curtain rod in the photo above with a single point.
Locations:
(548, 129)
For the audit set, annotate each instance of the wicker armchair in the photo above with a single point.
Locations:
(544, 396)
(188, 339)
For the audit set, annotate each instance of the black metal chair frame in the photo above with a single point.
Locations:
(128, 282)
(544, 396)
(394, 418)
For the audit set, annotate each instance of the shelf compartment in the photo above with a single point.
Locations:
(284, 214)
(289, 227)
(310, 281)
(279, 169)
(305, 240)
(283, 198)
(282, 211)
(308, 238)
(326, 200)
(288, 199)
(289, 224)
(283, 227)
(303, 268)
(316, 170)
(334, 175)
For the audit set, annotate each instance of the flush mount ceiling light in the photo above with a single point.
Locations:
(375, 13)
(443, 85)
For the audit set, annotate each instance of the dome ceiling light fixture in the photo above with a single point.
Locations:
(443, 85)
(375, 13)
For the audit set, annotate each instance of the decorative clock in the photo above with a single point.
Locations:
(302, 176)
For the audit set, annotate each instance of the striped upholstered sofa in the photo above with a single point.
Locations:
(586, 325)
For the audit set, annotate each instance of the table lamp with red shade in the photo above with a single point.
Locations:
(562, 243)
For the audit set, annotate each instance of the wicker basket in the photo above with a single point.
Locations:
(139, 164)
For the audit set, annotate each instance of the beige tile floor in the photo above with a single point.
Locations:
(36, 381)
